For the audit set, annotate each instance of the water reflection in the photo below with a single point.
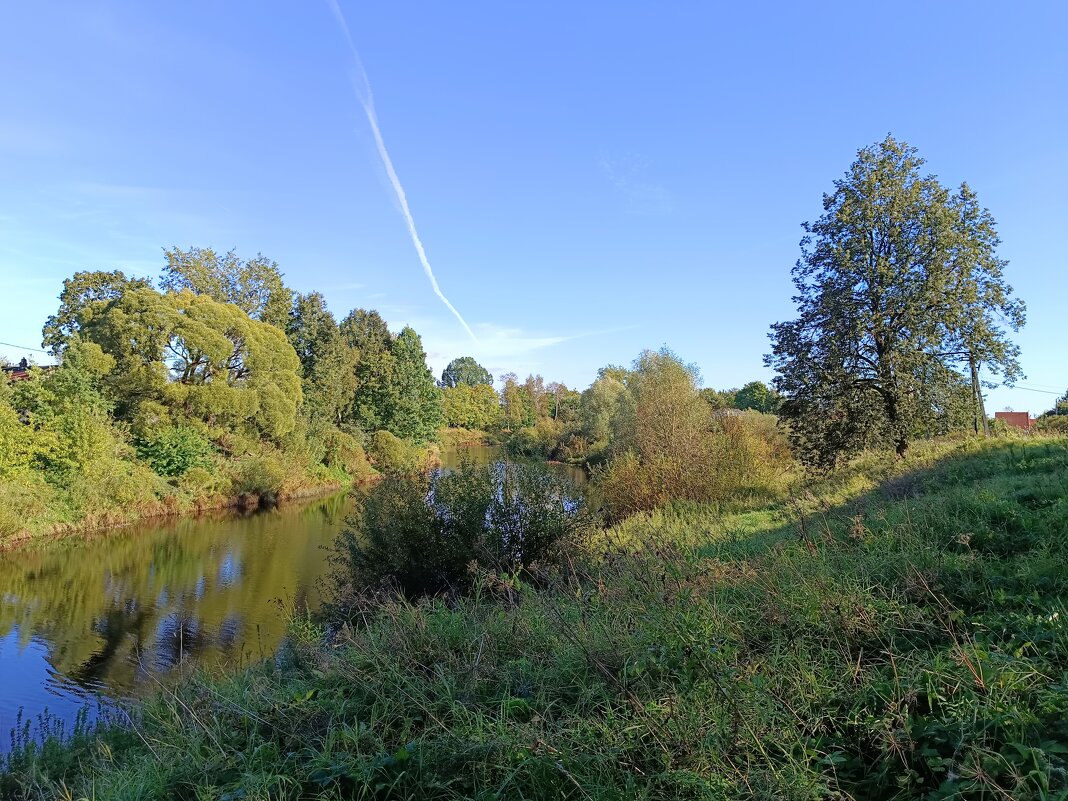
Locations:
(451, 459)
(115, 613)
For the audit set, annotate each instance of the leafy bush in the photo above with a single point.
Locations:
(343, 451)
(735, 457)
(1051, 424)
(420, 535)
(174, 449)
(200, 482)
(394, 456)
(535, 442)
(19, 447)
(261, 475)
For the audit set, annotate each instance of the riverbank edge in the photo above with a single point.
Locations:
(170, 508)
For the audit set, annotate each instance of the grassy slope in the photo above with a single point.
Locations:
(890, 634)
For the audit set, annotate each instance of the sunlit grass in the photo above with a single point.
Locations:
(891, 631)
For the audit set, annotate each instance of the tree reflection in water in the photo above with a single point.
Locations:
(117, 612)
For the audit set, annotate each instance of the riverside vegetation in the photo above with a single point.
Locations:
(893, 631)
(829, 589)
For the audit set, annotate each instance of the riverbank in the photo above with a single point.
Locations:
(894, 630)
(170, 506)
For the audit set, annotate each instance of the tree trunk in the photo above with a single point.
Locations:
(977, 397)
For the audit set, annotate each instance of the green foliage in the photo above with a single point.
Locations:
(327, 361)
(82, 294)
(225, 368)
(600, 405)
(720, 398)
(898, 288)
(344, 452)
(471, 406)
(19, 448)
(392, 455)
(254, 286)
(416, 414)
(204, 359)
(376, 391)
(1060, 408)
(904, 643)
(518, 408)
(465, 371)
(420, 535)
(669, 444)
(535, 442)
(260, 474)
(1052, 424)
(758, 397)
(173, 450)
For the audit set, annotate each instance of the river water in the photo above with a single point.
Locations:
(116, 615)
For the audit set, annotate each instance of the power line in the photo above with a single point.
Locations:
(1033, 389)
(23, 347)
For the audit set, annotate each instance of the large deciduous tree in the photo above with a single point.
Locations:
(254, 285)
(758, 396)
(85, 290)
(465, 370)
(194, 357)
(475, 407)
(898, 286)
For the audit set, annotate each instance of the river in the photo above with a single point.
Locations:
(89, 620)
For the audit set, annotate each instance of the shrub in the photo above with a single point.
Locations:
(259, 475)
(199, 482)
(18, 445)
(394, 456)
(738, 457)
(174, 449)
(419, 535)
(1051, 424)
(535, 442)
(343, 451)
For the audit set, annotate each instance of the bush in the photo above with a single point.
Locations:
(393, 456)
(1051, 424)
(174, 449)
(737, 457)
(344, 452)
(259, 475)
(535, 442)
(420, 535)
(18, 444)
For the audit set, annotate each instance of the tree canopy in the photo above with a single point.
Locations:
(255, 286)
(898, 285)
(85, 290)
(197, 356)
(465, 370)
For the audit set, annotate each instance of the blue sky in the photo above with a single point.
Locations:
(588, 179)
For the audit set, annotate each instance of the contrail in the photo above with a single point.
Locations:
(363, 94)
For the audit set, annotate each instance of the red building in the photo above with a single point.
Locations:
(17, 372)
(1015, 419)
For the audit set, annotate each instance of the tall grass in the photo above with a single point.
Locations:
(906, 640)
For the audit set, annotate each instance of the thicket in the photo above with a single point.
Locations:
(428, 534)
(667, 443)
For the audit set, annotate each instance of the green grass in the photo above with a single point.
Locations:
(892, 632)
